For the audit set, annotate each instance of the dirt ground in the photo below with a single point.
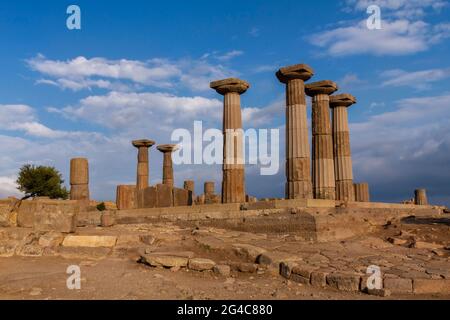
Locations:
(117, 275)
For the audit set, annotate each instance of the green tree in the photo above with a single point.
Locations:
(41, 181)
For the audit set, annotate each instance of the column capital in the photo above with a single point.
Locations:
(321, 87)
(144, 143)
(230, 85)
(297, 71)
(168, 148)
(342, 100)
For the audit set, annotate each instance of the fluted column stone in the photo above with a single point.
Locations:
(167, 150)
(298, 155)
(343, 168)
(143, 162)
(324, 184)
(233, 182)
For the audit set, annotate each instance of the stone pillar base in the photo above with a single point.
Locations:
(345, 191)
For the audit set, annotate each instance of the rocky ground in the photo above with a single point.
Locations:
(170, 261)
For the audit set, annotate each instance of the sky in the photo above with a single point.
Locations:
(141, 69)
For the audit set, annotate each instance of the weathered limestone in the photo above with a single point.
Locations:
(342, 153)
(126, 197)
(143, 160)
(210, 196)
(362, 192)
(324, 184)
(233, 184)
(79, 179)
(420, 197)
(167, 150)
(298, 158)
(189, 185)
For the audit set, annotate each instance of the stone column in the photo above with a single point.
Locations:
(189, 185)
(143, 162)
(209, 188)
(324, 184)
(233, 183)
(420, 197)
(167, 150)
(298, 155)
(79, 179)
(342, 153)
(362, 192)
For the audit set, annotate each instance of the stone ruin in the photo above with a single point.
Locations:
(322, 201)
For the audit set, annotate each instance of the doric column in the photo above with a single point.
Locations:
(209, 188)
(324, 185)
(342, 153)
(143, 166)
(420, 197)
(298, 155)
(233, 183)
(79, 179)
(167, 150)
(362, 193)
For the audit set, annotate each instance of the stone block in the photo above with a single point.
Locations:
(126, 197)
(344, 281)
(56, 215)
(157, 260)
(149, 197)
(164, 196)
(108, 219)
(199, 264)
(431, 286)
(25, 214)
(180, 197)
(286, 269)
(398, 285)
(319, 278)
(51, 239)
(248, 251)
(89, 241)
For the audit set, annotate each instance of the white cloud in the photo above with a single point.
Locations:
(8, 188)
(128, 75)
(404, 31)
(416, 79)
(399, 8)
(400, 37)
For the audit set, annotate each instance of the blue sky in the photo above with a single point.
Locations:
(141, 69)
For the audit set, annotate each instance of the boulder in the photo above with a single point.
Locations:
(158, 260)
(199, 264)
(222, 270)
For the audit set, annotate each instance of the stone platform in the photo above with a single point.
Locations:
(309, 220)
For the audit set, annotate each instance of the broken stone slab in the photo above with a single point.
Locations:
(89, 241)
(244, 267)
(85, 253)
(165, 261)
(248, 251)
(199, 264)
(426, 245)
(430, 286)
(222, 270)
(344, 281)
(397, 241)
